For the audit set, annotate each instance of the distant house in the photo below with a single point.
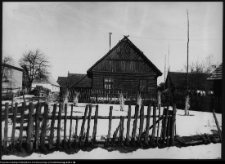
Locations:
(11, 76)
(124, 67)
(48, 82)
(216, 78)
(197, 82)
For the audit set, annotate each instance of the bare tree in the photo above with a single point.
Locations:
(35, 65)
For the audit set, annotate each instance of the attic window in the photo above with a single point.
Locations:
(108, 83)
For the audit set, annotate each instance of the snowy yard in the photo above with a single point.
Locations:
(199, 123)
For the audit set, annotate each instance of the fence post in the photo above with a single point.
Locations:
(154, 124)
(37, 126)
(135, 125)
(6, 125)
(217, 124)
(173, 124)
(159, 109)
(121, 131)
(30, 127)
(65, 125)
(168, 128)
(71, 114)
(128, 124)
(21, 124)
(88, 128)
(147, 125)
(110, 123)
(164, 127)
(75, 137)
(14, 125)
(95, 126)
(82, 126)
(59, 125)
(141, 123)
(43, 129)
(52, 127)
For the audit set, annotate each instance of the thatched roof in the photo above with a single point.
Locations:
(195, 80)
(217, 74)
(140, 56)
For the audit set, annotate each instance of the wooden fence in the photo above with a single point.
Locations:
(37, 138)
(111, 96)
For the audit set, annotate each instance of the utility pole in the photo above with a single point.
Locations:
(187, 47)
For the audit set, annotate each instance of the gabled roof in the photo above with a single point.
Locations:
(217, 74)
(62, 81)
(195, 80)
(73, 78)
(13, 66)
(48, 80)
(85, 82)
(140, 53)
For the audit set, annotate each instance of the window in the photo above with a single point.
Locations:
(143, 85)
(108, 83)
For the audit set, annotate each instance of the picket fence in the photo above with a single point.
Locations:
(37, 139)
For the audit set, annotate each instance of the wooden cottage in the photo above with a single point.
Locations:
(197, 82)
(126, 68)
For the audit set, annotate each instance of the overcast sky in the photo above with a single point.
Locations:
(74, 35)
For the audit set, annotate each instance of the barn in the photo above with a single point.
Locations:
(124, 67)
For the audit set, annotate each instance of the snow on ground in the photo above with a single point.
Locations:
(199, 123)
(211, 151)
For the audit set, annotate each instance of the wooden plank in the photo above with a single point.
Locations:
(65, 125)
(135, 124)
(52, 127)
(14, 125)
(95, 126)
(154, 124)
(158, 137)
(6, 125)
(71, 114)
(82, 126)
(147, 124)
(75, 137)
(89, 122)
(168, 128)
(21, 123)
(121, 131)
(30, 127)
(217, 125)
(59, 126)
(128, 125)
(173, 124)
(37, 126)
(110, 124)
(115, 133)
(43, 129)
(166, 111)
(141, 123)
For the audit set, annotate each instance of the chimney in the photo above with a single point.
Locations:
(110, 40)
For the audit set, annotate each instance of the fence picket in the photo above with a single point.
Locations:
(21, 124)
(141, 123)
(128, 124)
(6, 124)
(82, 127)
(95, 126)
(135, 124)
(52, 127)
(71, 114)
(44, 125)
(89, 122)
(59, 125)
(173, 124)
(30, 127)
(166, 110)
(75, 136)
(121, 131)
(65, 125)
(110, 123)
(157, 138)
(168, 128)
(14, 125)
(154, 125)
(147, 124)
(37, 126)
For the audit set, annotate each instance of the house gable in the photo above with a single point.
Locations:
(125, 57)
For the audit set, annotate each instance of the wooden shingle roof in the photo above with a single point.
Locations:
(217, 74)
(121, 44)
(73, 78)
(85, 82)
(62, 81)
